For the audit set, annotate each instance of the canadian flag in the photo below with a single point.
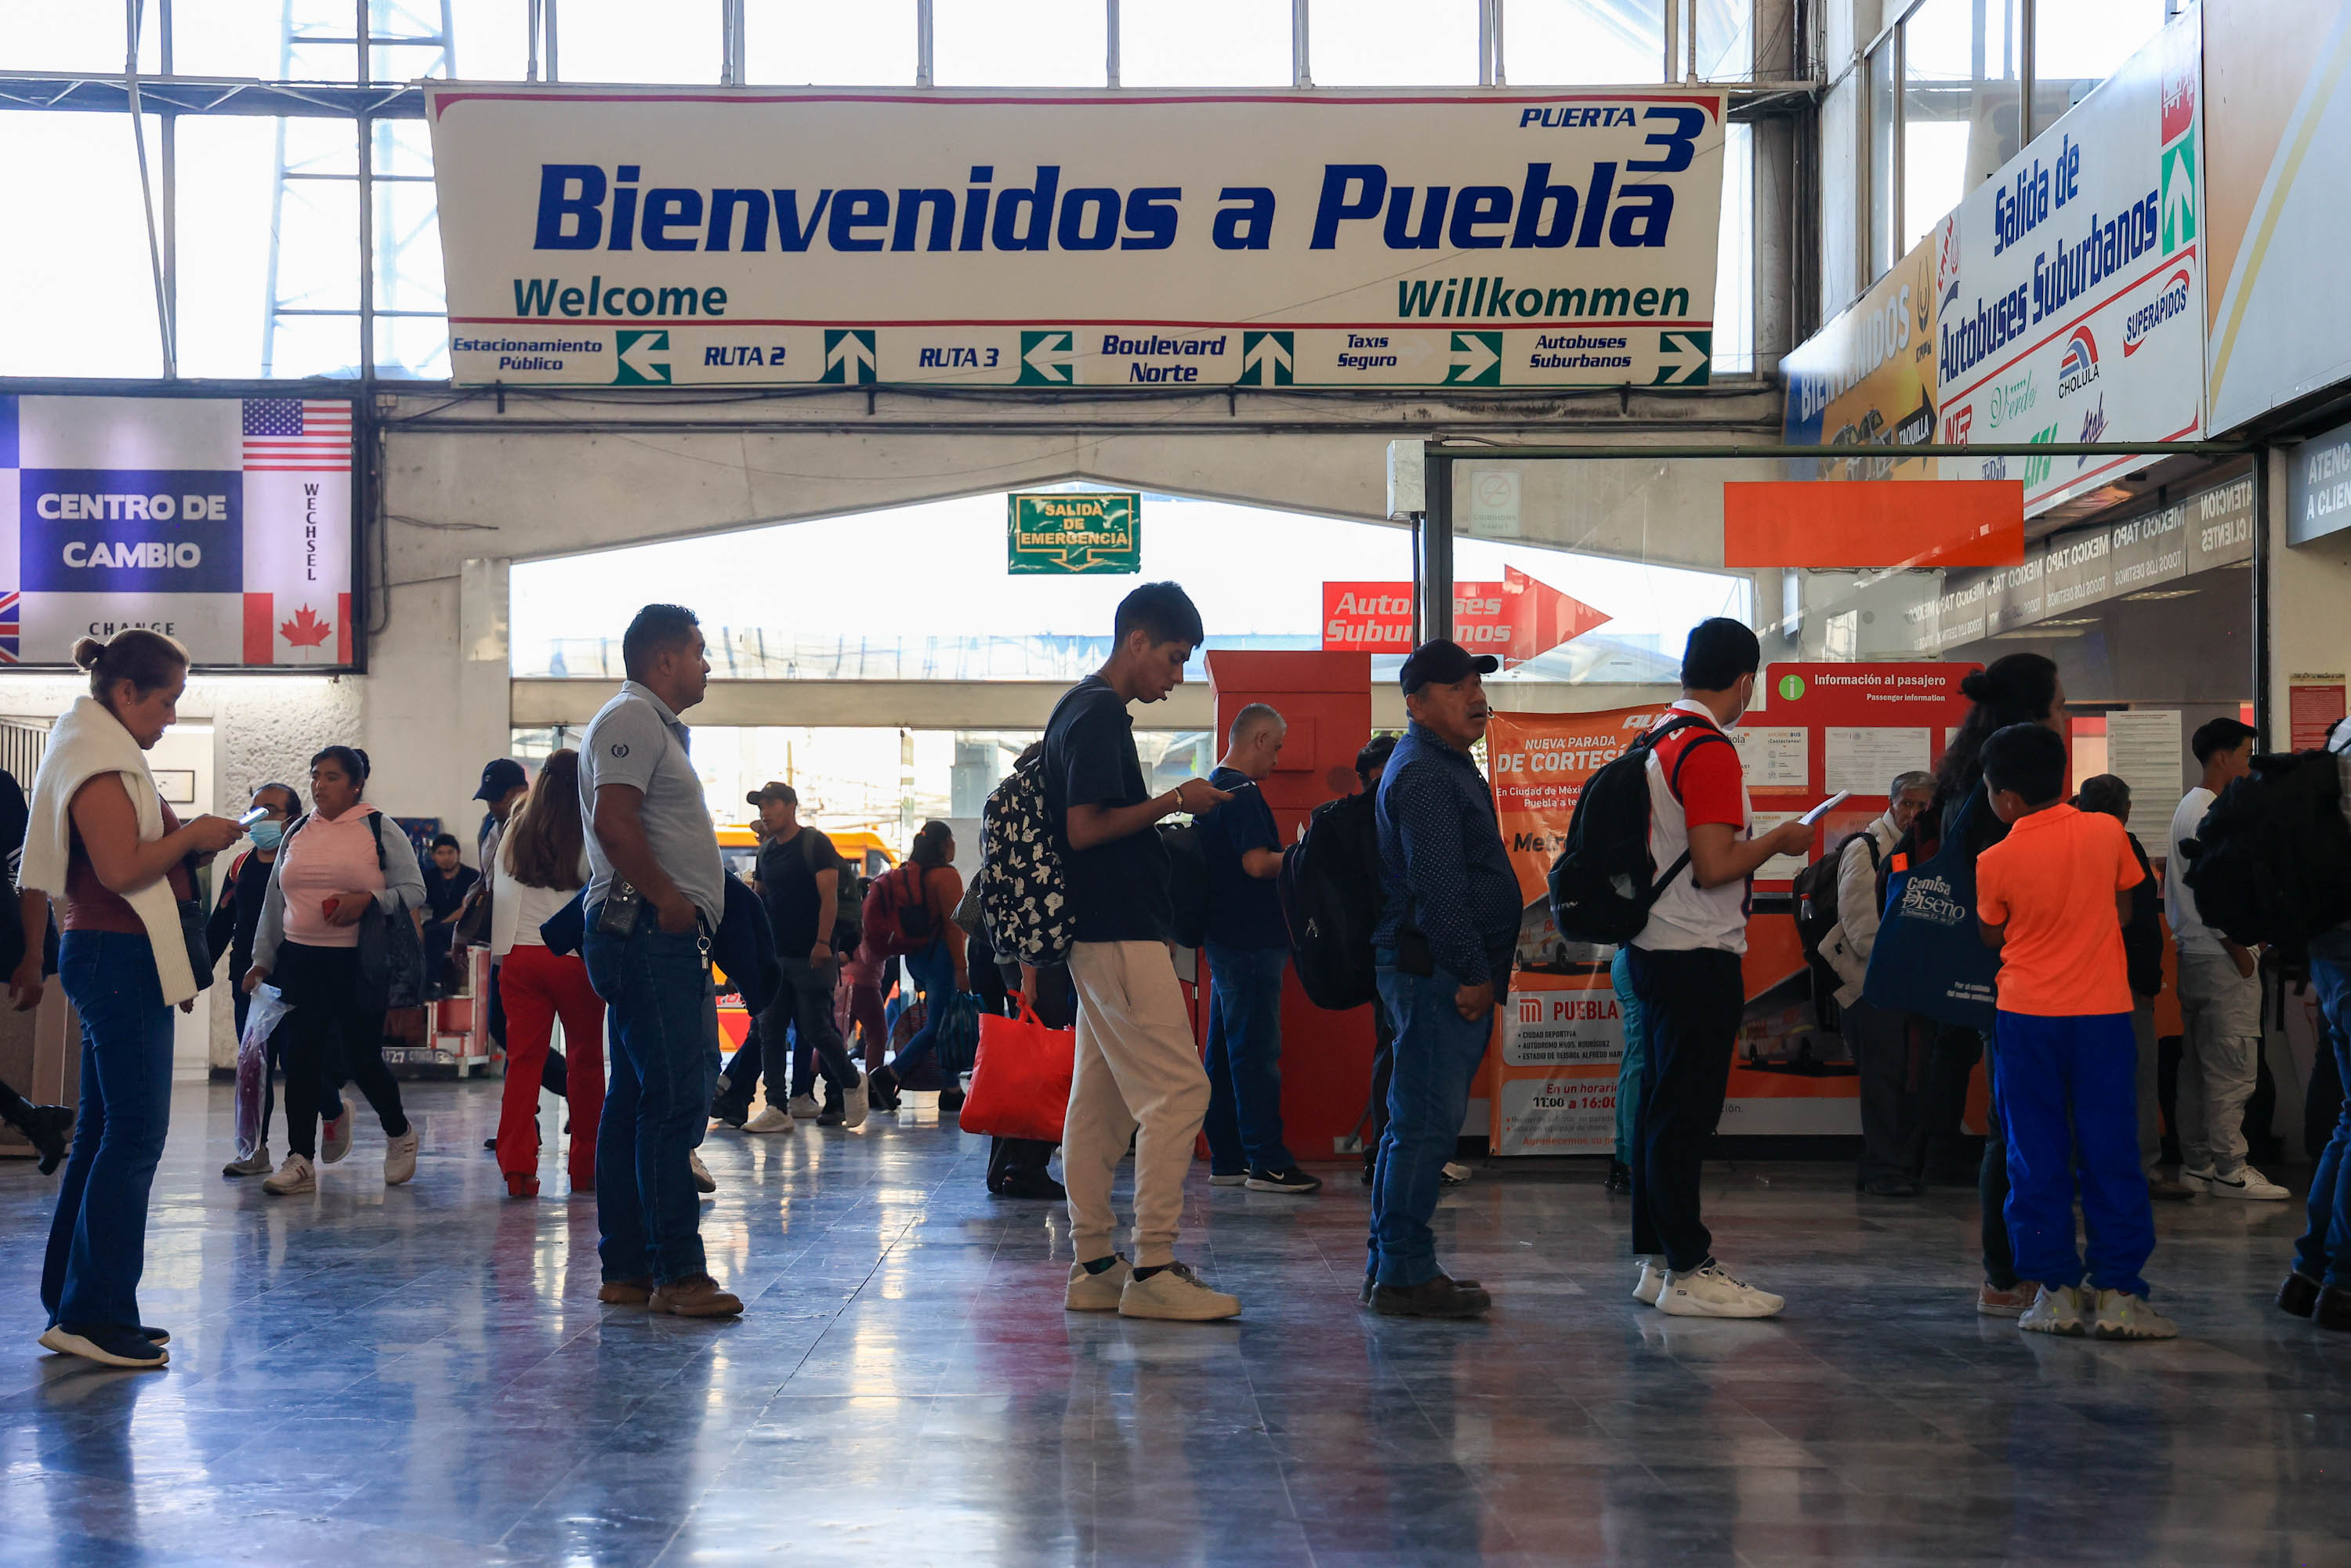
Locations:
(295, 629)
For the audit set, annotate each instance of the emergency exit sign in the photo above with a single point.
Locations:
(1068, 532)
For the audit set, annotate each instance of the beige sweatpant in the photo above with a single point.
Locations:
(1137, 1067)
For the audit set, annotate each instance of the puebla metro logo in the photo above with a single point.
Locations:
(2172, 301)
(2079, 368)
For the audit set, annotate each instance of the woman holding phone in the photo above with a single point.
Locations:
(331, 865)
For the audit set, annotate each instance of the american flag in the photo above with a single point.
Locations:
(297, 436)
(10, 607)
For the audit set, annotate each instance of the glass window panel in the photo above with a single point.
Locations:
(823, 42)
(243, 39)
(1961, 95)
(72, 36)
(1203, 43)
(1395, 43)
(1734, 271)
(1036, 43)
(2076, 46)
(84, 295)
(1573, 43)
(408, 255)
(1882, 215)
(491, 38)
(1840, 186)
(1725, 41)
(229, 245)
(627, 40)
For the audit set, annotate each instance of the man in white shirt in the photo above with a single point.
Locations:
(2219, 997)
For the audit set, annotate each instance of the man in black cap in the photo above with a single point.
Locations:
(1448, 922)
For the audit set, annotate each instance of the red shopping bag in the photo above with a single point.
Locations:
(1020, 1084)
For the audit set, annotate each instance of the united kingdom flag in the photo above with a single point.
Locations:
(10, 627)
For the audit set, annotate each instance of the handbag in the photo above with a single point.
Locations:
(1021, 1082)
(391, 954)
(957, 1040)
(1929, 958)
(191, 932)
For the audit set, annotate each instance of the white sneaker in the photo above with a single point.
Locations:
(1175, 1292)
(399, 1159)
(769, 1120)
(1454, 1174)
(2247, 1183)
(1097, 1292)
(2056, 1310)
(2121, 1315)
(335, 1137)
(854, 1102)
(1236, 1178)
(804, 1108)
(297, 1175)
(254, 1164)
(2196, 1180)
(702, 1179)
(1709, 1292)
(1652, 1282)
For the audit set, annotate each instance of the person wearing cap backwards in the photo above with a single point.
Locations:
(1448, 920)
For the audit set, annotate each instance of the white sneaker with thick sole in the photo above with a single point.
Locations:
(255, 1164)
(2245, 1183)
(1454, 1174)
(297, 1175)
(335, 1136)
(804, 1108)
(854, 1104)
(769, 1120)
(2121, 1315)
(2196, 1180)
(1652, 1282)
(2056, 1310)
(399, 1159)
(1091, 1293)
(1175, 1293)
(1238, 1178)
(1709, 1292)
(703, 1180)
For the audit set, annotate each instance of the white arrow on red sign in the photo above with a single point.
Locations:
(1516, 620)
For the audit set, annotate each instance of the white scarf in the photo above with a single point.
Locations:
(89, 741)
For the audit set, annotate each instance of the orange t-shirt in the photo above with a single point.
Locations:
(2052, 883)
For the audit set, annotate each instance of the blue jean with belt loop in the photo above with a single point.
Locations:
(2324, 1253)
(2067, 1094)
(1244, 1060)
(97, 1241)
(1633, 1068)
(1436, 1056)
(663, 1017)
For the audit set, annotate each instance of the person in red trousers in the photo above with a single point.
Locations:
(541, 863)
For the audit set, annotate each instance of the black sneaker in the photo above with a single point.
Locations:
(1620, 1177)
(950, 1100)
(832, 1115)
(1029, 1185)
(2299, 1295)
(1440, 1298)
(1292, 1180)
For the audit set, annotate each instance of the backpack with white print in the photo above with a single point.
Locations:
(1024, 894)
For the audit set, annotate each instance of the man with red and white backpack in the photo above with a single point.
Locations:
(1685, 969)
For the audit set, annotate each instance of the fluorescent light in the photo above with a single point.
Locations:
(2155, 593)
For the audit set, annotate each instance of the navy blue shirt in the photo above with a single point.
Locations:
(1118, 891)
(1442, 866)
(1244, 911)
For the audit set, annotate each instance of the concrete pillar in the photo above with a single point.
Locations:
(2308, 624)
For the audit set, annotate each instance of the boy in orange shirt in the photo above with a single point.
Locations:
(2053, 897)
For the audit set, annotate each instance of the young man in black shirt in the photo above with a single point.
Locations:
(1138, 1071)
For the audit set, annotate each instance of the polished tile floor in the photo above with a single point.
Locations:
(423, 1376)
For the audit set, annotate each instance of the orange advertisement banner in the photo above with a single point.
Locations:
(1774, 523)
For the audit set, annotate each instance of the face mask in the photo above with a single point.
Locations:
(267, 835)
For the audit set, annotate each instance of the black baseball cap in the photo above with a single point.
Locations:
(501, 777)
(1441, 662)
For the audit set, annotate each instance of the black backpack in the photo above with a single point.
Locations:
(1815, 893)
(1330, 895)
(1188, 879)
(1603, 882)
(2271, 863)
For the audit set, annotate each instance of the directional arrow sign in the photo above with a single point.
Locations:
(642, 357)
(848, 355)
(1267, 359)
(1516, 620)
(1047, 359)
(1684, 359)
(1477, 359)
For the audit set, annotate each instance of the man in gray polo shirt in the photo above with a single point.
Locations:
(656, 891)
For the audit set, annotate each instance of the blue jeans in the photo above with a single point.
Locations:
(931, 972)
(2067, 1094)
(1435, 1060)
(1633, 1068)
(1244, 1125)
(664, 1020)
(2325, 1252)
(97, 1243)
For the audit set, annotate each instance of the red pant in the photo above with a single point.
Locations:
(537, 988)
(858, 1005)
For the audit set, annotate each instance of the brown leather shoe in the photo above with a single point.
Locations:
(625, 1292)
(695, 1296)
(1994, 1303)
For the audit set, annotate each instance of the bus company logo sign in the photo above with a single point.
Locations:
(2172, 301)
(2079, 368)
(1530, 1010)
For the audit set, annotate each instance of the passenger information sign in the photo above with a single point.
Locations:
(604, 236)
(223, 522)
(1064, 532)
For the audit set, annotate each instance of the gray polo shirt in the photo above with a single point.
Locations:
(634, 739)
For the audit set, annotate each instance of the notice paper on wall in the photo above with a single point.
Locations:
(1777, 761)
(2143, 749)
(2314, 706)
(1779, 868)
(1866, 761)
